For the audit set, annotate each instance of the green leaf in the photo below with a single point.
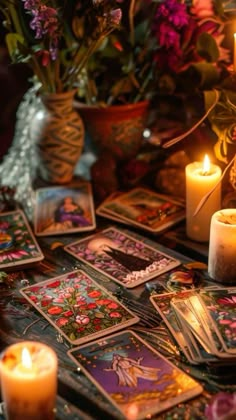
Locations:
(208, 74)
(12, 41)
(207, 47)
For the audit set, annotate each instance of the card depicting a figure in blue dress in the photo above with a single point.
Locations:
(61, 210)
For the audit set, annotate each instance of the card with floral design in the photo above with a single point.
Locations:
(18, 246)
(143, 208)
(136, 379)
(220, 305)
(122, 257)
(63, 209)
(78, 307)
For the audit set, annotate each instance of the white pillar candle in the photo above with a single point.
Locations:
(222, 246)
(200, 179)
(28, 373)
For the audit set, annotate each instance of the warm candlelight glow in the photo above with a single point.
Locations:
(28, 376)
(26, 358)
(222, 247)
(235, 52)
(201, 177)
(206, 165)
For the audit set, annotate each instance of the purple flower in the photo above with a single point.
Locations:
(44, 21)
(116, 16)
(168, 37)
(222, 407)
(173, 12)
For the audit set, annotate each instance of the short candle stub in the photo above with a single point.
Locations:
(29, 386)
(222, 247)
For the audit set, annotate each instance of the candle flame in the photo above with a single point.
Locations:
(206, 165)
(26, 358)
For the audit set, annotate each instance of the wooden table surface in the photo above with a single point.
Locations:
(77, 396)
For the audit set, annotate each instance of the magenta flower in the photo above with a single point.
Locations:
(228, 301)
(221, 407)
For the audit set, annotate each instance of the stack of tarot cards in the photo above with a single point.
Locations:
(144, 209)
(202, 322)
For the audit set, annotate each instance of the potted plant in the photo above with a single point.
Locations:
(162, 49)
(56, 39)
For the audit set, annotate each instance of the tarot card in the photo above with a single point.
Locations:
(192, 322)
(101, 210)
(121, 257)
(162, 303)
(220, 305)
(18, 246)
(195, 318)
(145, 209)
(61, 210)
(136, 379)
(78, 307)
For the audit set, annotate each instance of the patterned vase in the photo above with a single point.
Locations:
(117, 129)
(58, 132)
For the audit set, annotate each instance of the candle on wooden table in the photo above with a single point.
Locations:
(201, 177)
(28, 373)
(222, 246)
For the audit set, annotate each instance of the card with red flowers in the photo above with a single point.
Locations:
(18, 246)
(78, 307)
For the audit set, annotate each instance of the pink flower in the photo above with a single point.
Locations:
(113, 305)
(94, 294)
(82, 319)
(62, 321)
(55, 310)
(221, 407)
(91, 306)
(68, 313)
(115, 315)
(202, 8)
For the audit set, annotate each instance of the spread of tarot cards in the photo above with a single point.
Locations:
(18, 246)
(78, 307)
(143, 208)
(121, 257)
(133, 376)
(202, 322)
(62, 210)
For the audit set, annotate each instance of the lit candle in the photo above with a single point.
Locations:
(235, 52)
(28, 373)
(201, 177)
(222, 246)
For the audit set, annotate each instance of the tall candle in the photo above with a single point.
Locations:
(201, 177)
(222, 247)
(28, 373)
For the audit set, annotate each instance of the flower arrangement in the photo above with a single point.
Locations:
(158, 45)
(57, 38)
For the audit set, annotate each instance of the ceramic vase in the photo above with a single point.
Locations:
(58, 133)
(117, 129)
